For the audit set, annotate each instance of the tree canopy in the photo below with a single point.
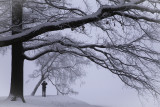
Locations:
(127, 44)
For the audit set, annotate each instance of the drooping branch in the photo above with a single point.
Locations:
(39, 54)
(130, 63)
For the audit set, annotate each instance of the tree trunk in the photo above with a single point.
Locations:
(36, 87)
(16, 89)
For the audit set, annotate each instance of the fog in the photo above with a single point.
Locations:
(100, 87)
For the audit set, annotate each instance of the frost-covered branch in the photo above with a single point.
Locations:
(103, 12)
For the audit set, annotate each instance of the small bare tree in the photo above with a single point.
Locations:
(62, 70)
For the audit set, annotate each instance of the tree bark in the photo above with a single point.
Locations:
(16, 89)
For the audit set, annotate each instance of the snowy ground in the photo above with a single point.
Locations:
(49, 101)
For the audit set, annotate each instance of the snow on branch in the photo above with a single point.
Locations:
(103, 12)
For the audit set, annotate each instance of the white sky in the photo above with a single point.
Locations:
(100, 88)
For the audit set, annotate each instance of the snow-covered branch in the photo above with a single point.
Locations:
(40, 54)
(103, 12)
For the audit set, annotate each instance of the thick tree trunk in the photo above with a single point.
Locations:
(16, 89)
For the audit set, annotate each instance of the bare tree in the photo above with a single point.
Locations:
(62, 70)
(128, 47)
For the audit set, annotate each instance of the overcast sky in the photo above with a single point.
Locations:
(100, 88)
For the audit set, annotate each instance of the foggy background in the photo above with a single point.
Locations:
(99, 87)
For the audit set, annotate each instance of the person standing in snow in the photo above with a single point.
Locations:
(44, 88)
